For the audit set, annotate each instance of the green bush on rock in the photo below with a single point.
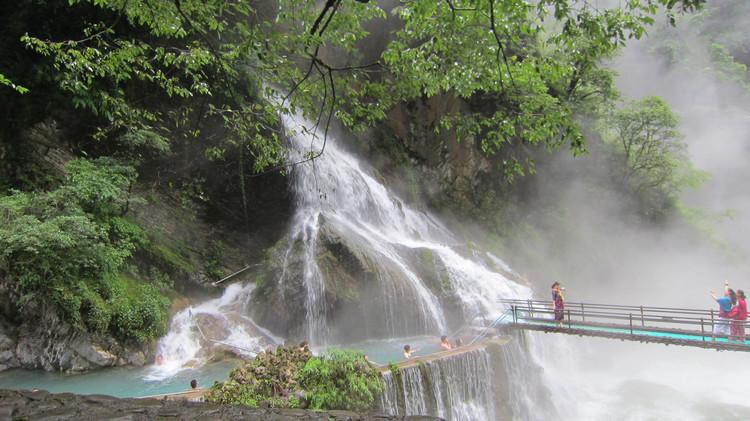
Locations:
(292, 378)
(67, 247)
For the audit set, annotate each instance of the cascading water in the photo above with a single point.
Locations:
(457, 388)
(409, 278)
(352, 203)
(337, 198)
(218, 324)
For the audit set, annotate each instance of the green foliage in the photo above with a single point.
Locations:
(139, 310)
(341, 380)
(67, 246)
(712, 42)
(214, 260)
(726, 67)
(171, 257)
(337, 380)
(523, 77)
(271, 377)
(7, 82)
(531, 63)
(177, 52)
(654, 160)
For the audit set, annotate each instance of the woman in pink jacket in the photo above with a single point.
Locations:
(738, 316)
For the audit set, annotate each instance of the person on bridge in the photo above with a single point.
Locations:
(738, 316)
(726, 302)
(559, 302)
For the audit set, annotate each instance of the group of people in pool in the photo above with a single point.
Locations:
(445, 345)
(732, 314)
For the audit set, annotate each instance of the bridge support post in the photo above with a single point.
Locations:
(703, 332)
(642, 322)
(583, 315)
(531, 312)
(630, 316)
(569, 326)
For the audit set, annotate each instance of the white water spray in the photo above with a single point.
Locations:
(218, 324)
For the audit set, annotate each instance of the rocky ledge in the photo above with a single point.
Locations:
(41, 405)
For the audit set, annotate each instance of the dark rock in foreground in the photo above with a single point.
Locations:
(41, 405)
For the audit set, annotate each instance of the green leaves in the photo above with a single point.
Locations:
(68, 246)
(341, 379)
(137, 61)
(654, 157)
(7, 82)
(338, 379)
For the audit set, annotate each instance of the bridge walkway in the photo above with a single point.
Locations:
(670, 326)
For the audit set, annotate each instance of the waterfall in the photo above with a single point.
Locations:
(220, 324)
(358, 263)
(388, 399)
(340, 201)
(457, 388)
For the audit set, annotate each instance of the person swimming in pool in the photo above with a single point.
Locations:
(409, 352)
(444, 344)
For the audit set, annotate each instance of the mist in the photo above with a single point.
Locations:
(595, 245)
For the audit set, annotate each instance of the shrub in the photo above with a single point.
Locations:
(337, 380)
(341, 380)
(271, 378)
(67, 247)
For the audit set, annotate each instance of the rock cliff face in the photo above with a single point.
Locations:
(450, 172)
(51, 344)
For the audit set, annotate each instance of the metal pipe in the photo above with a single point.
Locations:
(621, 307)
(232, 275)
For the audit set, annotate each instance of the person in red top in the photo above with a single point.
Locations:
(738, 316)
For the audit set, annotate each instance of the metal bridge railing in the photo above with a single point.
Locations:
(633, 318)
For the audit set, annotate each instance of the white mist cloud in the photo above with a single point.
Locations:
(592, 243)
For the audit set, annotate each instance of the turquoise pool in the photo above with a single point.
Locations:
(144, 381)
(120, 382)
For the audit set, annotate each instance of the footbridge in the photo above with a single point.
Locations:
(665, 325)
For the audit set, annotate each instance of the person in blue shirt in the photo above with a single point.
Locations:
(726, 302)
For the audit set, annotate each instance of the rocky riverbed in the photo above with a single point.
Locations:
(41, 405)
